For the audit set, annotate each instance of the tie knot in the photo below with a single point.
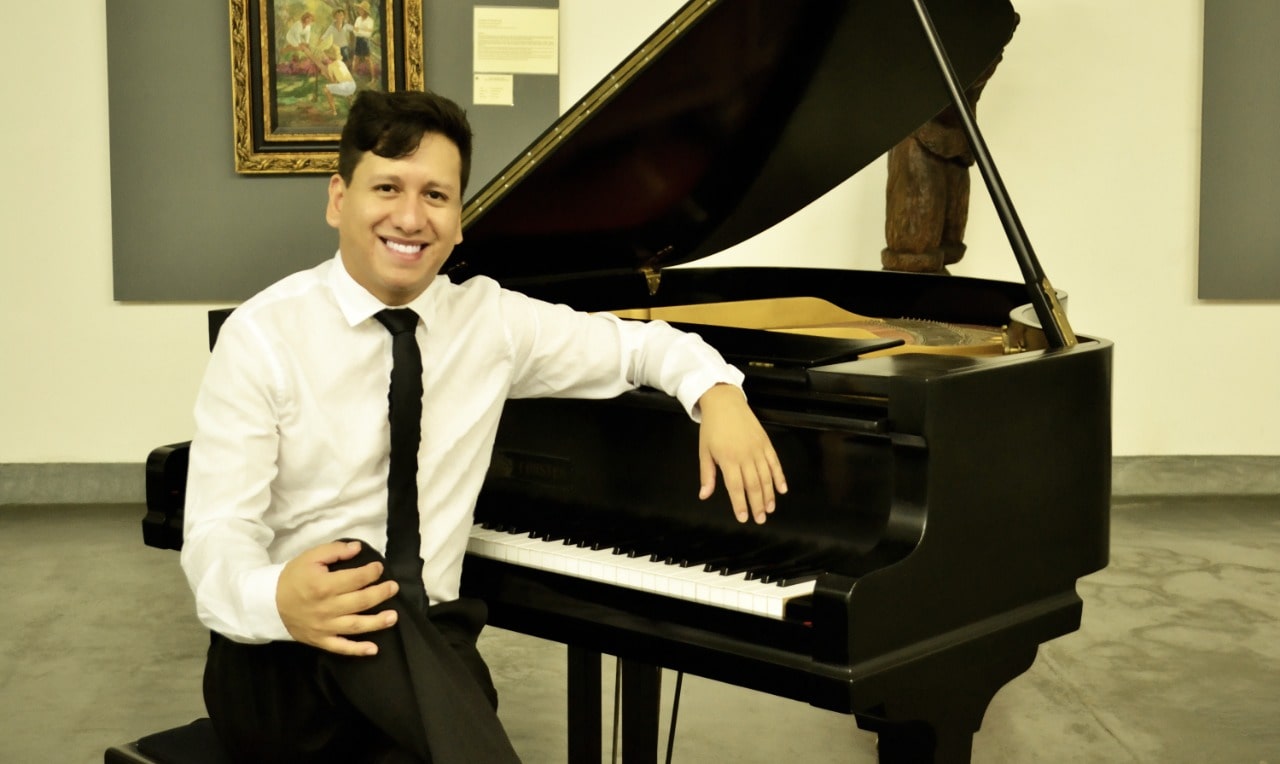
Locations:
(397, 320)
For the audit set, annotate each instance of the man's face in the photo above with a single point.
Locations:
(399, 219)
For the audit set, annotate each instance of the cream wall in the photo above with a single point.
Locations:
(1093, 120)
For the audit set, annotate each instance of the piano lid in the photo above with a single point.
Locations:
(730, 118)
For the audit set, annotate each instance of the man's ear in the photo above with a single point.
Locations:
(337, 190)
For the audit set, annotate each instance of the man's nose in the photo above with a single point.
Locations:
(410, 214)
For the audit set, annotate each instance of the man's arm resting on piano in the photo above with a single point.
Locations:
(732, 438)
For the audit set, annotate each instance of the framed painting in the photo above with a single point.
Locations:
(296, 66)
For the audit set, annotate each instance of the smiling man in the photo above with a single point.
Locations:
(398, 218)
(322, 648)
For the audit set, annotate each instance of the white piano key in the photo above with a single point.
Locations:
(692, 584)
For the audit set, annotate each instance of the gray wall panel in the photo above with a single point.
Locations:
(185, 226)
(1240, 151)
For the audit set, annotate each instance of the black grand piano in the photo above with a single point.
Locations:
(949, 484)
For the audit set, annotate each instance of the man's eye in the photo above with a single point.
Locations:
(384, 188)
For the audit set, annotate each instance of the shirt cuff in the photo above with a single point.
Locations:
(262, 617)
(694, 385)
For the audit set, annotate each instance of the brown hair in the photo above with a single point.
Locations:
(391, 125)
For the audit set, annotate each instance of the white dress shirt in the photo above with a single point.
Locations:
(363, 27)
(292, 438)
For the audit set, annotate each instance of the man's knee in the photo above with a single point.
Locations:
(366, 555)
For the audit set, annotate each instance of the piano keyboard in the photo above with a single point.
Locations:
(743, 591)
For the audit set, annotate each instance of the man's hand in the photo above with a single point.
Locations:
(732, 438)
(318, 606)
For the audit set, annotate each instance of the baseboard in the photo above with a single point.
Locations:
(1195, 476)
(97, 483)
(72, 483)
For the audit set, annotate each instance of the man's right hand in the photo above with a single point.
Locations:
(319, 606)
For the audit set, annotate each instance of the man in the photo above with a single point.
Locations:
(318, 654)
(340, 33)
(340, 81)
(298, 38)
(364, 29)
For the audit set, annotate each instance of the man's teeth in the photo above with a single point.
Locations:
(404, 249)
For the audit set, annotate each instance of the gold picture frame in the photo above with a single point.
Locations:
(296, 65)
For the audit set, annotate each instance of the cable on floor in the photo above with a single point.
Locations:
(617, 707)
(675, 710)
(617, 713)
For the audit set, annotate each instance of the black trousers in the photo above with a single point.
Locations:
(427, 695)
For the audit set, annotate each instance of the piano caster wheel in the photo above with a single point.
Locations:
(916, 742)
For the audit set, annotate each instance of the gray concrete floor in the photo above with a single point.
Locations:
(1178, 659)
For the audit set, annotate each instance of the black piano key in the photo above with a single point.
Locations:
(612, 537)
(728, 546)
(776, 573)
(728, 550)
(631, 545)
(723, 563)
(689, 551)
(582, 533)
(799, 579)
(773, 575)
(600, 533)
(648, 544)
(689, 557)
(669, 543)
(755, 572)
(762, 557)
(593, 535)
(750, 569)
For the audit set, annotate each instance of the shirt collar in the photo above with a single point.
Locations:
(357, 304)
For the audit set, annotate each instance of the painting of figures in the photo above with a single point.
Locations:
(297, 66)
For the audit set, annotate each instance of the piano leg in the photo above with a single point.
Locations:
(641, 694)
(584, 706)
(914, 742)
(933, 706)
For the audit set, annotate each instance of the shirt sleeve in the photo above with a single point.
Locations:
(232, 464)
(565, 353)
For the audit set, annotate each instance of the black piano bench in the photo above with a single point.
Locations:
(195, 743)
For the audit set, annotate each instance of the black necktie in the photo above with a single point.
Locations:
(459, 723)
(404, 540)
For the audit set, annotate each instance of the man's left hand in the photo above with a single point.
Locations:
(733, 439)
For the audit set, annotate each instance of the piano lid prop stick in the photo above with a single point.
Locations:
(1044, 298)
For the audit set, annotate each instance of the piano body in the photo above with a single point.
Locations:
(945, 495)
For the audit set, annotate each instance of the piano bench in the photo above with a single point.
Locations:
(195, 743)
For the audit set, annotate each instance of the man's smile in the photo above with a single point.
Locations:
(403, 248)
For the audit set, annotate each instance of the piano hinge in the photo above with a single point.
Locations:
(652, 278)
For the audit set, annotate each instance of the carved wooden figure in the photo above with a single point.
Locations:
(927, 195)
